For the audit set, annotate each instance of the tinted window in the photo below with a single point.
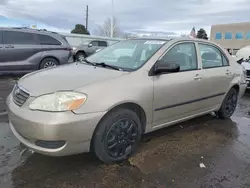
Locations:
(218, 36)
(228, 35)
(102, 43)
(239, 35)
(94, 43)
(183, 54)
(16, 37)
(47, 40)
(211, 56)
(1, 37)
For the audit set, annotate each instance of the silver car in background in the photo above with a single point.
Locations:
(107, 102)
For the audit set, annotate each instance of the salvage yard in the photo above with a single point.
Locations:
(204, 153)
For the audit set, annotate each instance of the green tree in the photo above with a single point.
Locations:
(80, 29)
(202, 34)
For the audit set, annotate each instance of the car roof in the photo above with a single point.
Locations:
(42, 31)
(175, 39)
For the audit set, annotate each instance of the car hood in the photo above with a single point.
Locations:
(65, 77)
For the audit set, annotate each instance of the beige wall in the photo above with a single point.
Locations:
(234, 28)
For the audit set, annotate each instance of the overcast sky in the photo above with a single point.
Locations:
(169, 16)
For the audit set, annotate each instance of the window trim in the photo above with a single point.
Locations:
(221, 53)
(39, 43)
(151, 71)
(4, 38)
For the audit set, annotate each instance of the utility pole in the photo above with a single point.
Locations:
(87, 17)
(112, 20)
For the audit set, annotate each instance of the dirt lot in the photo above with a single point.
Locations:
(167, 158)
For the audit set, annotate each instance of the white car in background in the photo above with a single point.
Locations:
(243, 55)
(246, 65)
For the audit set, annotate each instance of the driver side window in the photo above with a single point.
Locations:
(183, 54)
(94, 43)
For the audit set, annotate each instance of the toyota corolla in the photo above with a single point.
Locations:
(107, 102)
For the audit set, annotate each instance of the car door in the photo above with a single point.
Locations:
(19, 46)
(92, 49)
(175, 94)
(216, 75)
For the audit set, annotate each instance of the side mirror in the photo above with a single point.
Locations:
(90, 45)
(166, 67)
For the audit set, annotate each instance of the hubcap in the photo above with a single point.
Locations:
(121, 137)
(81, 57)
(49, 64)
(230, 104)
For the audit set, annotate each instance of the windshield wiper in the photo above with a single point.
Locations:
(109, 66)
(88, 62)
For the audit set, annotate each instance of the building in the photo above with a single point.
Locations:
(231, 36)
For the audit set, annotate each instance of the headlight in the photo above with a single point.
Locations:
(59, 101)
(74, 48)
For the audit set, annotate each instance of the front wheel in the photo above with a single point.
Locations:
(228, 105)
(80, 56)
(117, 136)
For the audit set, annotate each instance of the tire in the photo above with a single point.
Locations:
(117, 136)
(80, 56)
(48, 62)
(228, 105)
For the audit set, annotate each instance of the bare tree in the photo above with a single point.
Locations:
(105, 29)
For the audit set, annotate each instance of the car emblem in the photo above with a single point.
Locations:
(17, 91)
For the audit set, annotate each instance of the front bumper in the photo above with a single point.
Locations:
(30, 126)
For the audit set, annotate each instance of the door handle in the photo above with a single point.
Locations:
(9, 46)
(197, 77)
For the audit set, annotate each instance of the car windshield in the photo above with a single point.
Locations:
(128, 55)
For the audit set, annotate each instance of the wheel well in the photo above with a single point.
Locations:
(47, 58)
(81, 51)
(237, 87)
(137, 109)
(132, 106)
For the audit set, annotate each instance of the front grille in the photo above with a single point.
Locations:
(19, 95)
(248, 73)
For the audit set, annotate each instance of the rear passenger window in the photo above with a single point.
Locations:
(102, 43)
(183, 54)
(18, 37)
(47, 40)
(211, 57)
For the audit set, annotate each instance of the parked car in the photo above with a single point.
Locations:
(88, 48)
(107, 102)
(246, 65)
(23, 50)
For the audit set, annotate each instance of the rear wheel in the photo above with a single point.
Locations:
(48, 62)
(228, 105)
(80, 56)
(117, 136)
